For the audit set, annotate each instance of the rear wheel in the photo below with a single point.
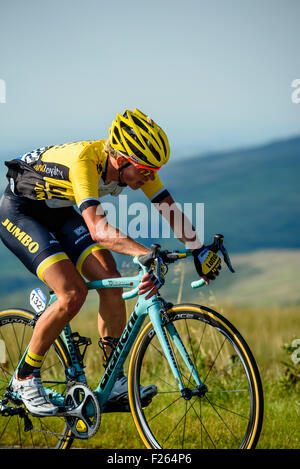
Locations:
(225, 413)
(48, 432)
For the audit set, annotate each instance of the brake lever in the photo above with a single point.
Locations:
(226, 258)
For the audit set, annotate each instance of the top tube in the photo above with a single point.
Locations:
(120, 282)
(133, 282)
(129, 282)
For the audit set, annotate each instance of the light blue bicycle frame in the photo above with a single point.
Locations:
(143, 307)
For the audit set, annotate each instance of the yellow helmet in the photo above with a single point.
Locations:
(140, 140)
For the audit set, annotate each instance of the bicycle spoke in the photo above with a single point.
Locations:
(227, 390)
(19, 432)
(183, 433)
(4, 429)
(221, 418)
(231, 367)
(212, 365)
(178, 423)
(163, 410)
(202, 424)
(15, 331)
(228, 410)
(163, 381)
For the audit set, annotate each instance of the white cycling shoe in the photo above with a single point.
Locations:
(33, 395)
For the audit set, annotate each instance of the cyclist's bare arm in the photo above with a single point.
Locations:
(180, 224)
(109, 236)
(112, 238)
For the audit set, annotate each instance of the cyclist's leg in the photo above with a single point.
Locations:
(26, 228)
(100, 264)
(95, 262)
(70, 289)
(25, 233)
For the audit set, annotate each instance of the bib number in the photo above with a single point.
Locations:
(38, 300)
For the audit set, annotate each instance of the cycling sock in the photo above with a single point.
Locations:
(31, 365)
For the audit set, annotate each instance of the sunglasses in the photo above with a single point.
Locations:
(145, 170)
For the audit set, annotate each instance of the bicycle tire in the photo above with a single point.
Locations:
(48, 432)
(224, 363)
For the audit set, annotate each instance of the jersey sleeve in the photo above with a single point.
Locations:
(155, 190)
(84, 176)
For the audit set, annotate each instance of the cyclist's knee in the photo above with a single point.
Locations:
(71, 301)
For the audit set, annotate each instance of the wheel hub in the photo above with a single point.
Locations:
(199, 391)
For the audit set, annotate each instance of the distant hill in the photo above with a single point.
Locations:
(261, 278)
(251, 195)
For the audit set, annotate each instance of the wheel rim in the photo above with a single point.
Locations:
(223, 417)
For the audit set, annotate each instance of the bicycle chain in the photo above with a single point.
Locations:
(48, 433)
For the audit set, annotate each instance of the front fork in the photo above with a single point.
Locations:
(160, 329)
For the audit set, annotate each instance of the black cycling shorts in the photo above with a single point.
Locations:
(41, 236)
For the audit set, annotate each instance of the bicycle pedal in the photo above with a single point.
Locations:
(145, 403)
(116, 407)
(124, 406)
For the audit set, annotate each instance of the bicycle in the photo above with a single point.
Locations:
(209, 392)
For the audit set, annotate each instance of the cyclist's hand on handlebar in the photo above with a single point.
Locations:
(207, 263)
(149, 283)
(152, 280)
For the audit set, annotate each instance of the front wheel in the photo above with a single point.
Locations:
(228, 414)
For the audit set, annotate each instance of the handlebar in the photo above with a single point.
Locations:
(169, 257)
(161, 258)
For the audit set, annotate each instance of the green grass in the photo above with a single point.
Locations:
(266, 330)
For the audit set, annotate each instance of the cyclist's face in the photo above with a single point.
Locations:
(136, 177)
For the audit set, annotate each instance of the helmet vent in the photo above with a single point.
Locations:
(139, 123)
(163, 144)
(136, 151)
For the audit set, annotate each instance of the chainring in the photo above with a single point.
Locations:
(83, 415)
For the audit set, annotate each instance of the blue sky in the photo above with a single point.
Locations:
(215, 74)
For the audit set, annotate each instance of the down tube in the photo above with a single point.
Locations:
(120, 354)
(163, 339)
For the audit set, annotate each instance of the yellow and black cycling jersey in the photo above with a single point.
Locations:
(69, 174)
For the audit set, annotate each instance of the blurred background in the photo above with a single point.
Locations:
(219, 77)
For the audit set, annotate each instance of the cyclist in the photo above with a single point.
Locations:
(39, 224)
